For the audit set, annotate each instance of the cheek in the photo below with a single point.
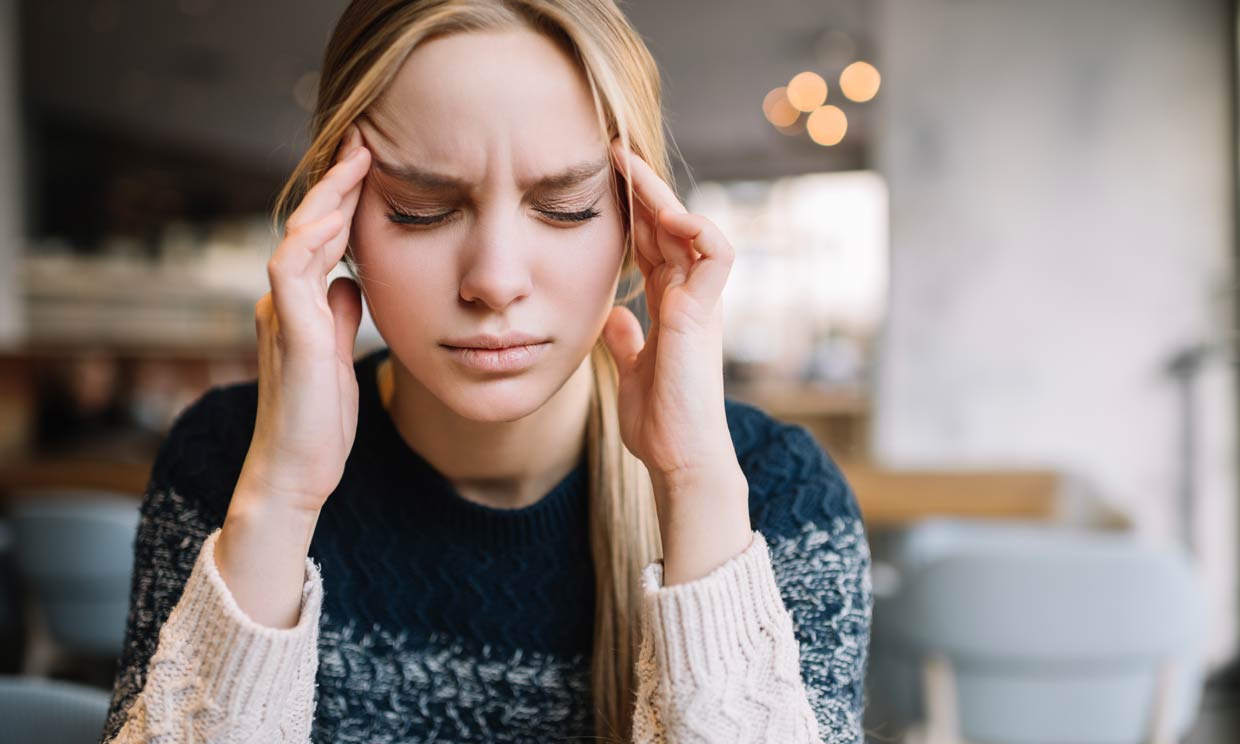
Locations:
(588, 261)
(398, 282)
(585, 280)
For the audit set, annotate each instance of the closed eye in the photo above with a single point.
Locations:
(402, 217)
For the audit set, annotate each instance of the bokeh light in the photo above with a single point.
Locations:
(859, 81)
(778, 109)
(827, 125)
(807, 91)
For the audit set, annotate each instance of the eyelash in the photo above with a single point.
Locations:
(407, 219)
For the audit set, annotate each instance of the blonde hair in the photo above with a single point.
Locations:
(370, 41)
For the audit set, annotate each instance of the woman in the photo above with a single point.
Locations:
(574, 536)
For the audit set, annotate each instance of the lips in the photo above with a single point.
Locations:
(496, 341)
(508, 359)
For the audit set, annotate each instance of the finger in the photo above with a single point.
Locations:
(296, 283)
(643, 240)
(674, 249)
(352, 138)
(622, 334)
(708, 274)
(646, 254)
(642, 264)
(646, 269)
(339, 243)
(654, 197)
(298, 255)
(348, 204)
(643, 236)
(345, 300)
(328, 193)
(643, 227)
(649, 188)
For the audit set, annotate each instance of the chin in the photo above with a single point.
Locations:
(496, 400)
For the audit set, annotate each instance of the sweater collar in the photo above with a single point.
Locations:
(412, 479)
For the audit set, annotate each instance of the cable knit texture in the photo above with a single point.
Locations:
(718, 659)
(218, 676)
(428, 617)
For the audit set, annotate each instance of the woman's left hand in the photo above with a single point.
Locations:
(671, 400)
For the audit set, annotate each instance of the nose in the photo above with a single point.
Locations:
(495, 272)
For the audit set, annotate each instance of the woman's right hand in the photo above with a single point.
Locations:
(307, 399)
(307, 389)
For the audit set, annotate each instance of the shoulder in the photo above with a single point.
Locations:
(794, 483)
(201, 456)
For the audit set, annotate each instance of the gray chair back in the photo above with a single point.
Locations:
(1051, 634)
(76, 554)
(38, 711)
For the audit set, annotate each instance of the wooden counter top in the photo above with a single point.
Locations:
(886, 497)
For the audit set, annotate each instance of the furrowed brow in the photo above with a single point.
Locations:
(430, 181)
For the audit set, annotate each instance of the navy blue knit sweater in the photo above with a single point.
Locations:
(446, 620)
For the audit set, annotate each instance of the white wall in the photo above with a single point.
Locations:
(12, 231)
(1061, 223)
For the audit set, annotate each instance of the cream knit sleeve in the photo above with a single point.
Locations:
(718, 662)
(217, 676)
(719, 659)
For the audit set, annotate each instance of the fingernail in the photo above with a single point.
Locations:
(354, 153)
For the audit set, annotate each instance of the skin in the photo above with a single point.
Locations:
(495, 111)
(498, 263)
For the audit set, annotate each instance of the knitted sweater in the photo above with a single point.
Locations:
(429, 617)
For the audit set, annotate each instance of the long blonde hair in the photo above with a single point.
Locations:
(370, 41)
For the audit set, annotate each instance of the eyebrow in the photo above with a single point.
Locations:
(431, 181)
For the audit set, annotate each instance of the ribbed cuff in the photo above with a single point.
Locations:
(244, 667)
(715, 625)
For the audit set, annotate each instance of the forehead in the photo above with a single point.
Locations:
(478, 104)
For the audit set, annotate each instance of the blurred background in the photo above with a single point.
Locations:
(986, 253)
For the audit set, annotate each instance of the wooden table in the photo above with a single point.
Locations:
(888, 498)
(128, 478)
(896, 497)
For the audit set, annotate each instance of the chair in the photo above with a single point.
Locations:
(36, 711)
(76, 555)
(1011, 632)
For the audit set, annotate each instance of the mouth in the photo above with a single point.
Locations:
(508, 340)
(513, 358)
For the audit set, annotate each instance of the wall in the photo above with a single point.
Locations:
(1059, 176)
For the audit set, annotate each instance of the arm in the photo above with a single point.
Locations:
(772, 645)
(218, 676)
(718, 658)
(221, 670)
(176, 604)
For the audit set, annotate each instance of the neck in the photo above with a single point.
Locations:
(505, 465)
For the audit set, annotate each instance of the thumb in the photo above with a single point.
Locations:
(345, 300)
(622, 333)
